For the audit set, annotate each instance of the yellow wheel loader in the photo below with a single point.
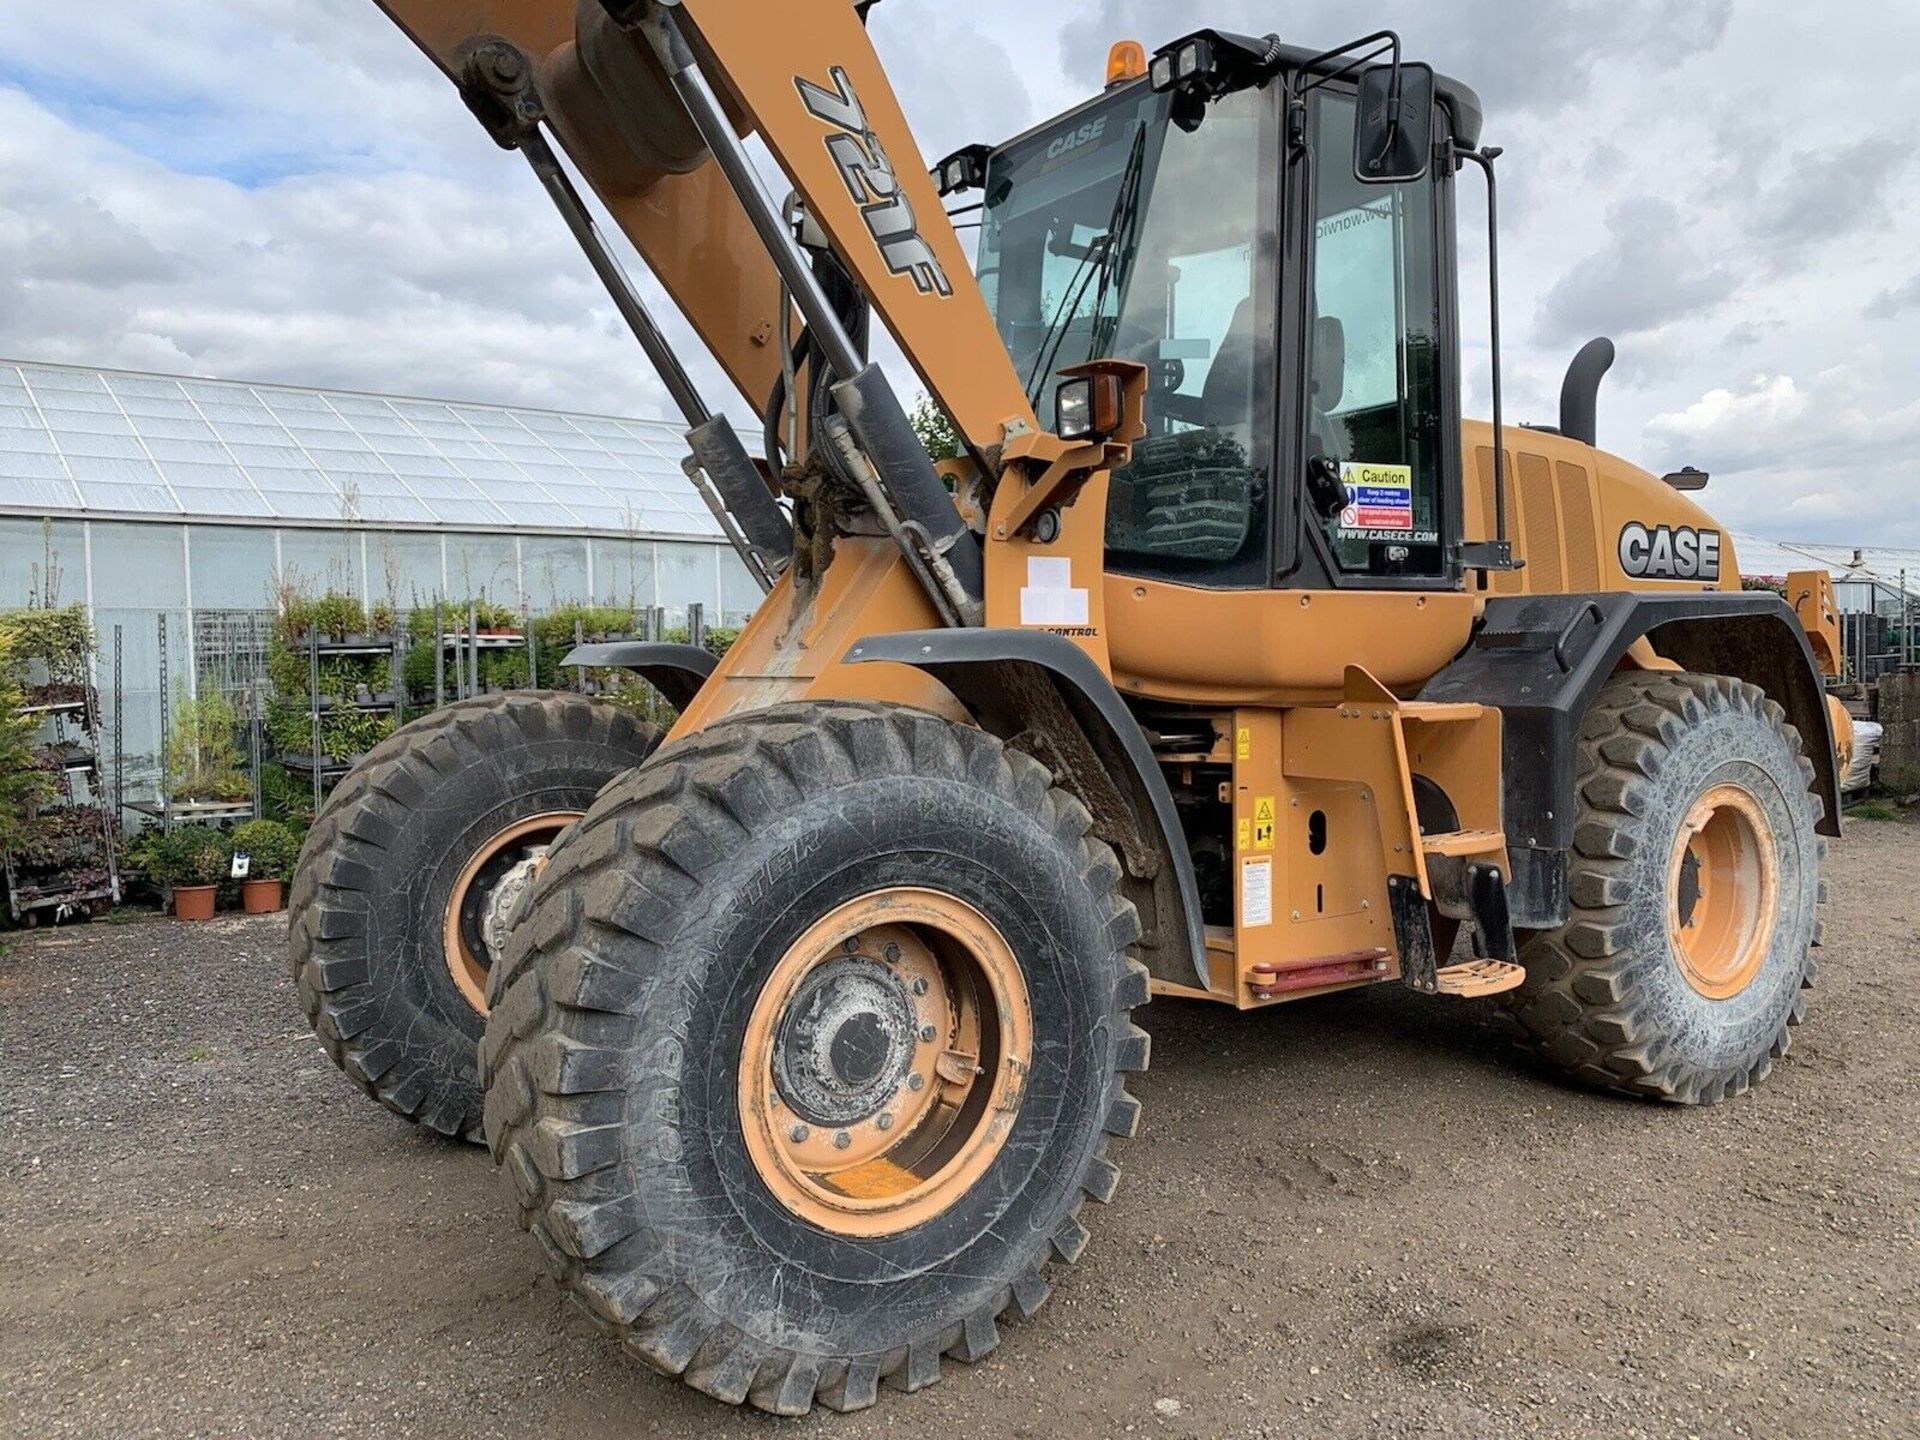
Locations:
(1224, 661)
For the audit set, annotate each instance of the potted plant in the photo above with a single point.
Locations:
(271, 850)
(203, 757)
(193, 860)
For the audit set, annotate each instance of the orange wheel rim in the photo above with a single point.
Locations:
(477, 902)
(885, 1061)
(1723, 892)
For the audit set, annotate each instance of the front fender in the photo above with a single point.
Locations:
(1047, 691)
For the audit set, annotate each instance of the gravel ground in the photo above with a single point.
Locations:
(1353, 1217)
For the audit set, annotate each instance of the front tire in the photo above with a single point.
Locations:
(807, 1050)
(400, 898)
(1694, 888)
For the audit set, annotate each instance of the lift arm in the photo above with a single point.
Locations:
(803, 75)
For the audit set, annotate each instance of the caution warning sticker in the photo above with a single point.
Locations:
(1380, 496)
(1263, 822)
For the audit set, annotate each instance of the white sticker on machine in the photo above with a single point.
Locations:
(1256, 893)
(1049, 597)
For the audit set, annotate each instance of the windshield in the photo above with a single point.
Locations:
(1115, 234)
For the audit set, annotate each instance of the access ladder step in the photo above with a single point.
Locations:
(1463, 844)
(1479, 977)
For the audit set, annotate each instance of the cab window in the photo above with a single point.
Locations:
(1374, 398)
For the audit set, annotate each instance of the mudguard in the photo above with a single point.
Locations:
(1542, 659)
(676, 671)
(1048, 691)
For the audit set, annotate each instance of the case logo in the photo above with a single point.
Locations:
(1669, 552)
(872, 182)
(1074, 139)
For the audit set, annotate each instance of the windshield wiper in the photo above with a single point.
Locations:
(1099, 263)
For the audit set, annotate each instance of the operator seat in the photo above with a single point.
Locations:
(1226, 399)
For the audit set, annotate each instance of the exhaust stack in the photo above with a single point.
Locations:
(1580, 392)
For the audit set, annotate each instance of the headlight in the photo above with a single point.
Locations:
(1189, 59)
(1073, 409)
(1161, 76)
(1089, 407)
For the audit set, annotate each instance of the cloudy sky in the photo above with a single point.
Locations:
(286, 190)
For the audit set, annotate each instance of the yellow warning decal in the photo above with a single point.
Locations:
(1263, 822)
(1244, 837)
(1243, 743)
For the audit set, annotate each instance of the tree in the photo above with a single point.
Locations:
(935, 429)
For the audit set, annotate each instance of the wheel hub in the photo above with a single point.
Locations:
(1723, 892)
(847, 1043)
(885, 1061)
(504, 896)
(480, 905)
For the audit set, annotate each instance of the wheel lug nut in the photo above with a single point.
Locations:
(797, 1133)
(892, 952)
(927, 1032)
(842, 1140)
(920, 985)
(850, 944)
(885, 1122)
(916, 1082)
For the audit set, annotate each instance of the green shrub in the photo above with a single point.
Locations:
(286, 797)
(188, 855)
(271, 849)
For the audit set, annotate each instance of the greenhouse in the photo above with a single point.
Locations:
(191, 518)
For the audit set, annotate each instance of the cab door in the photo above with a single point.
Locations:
(1378, 399)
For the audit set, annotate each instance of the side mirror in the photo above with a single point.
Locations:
(1329, 373)
(1393, 124)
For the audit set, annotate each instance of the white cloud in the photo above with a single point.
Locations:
(288, 190)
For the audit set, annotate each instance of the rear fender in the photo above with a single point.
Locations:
(1542, 659)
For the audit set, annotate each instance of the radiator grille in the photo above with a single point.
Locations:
(1540, 525)
(1583, 538)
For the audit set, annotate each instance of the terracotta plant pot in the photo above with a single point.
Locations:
(261, 897)
(193, 902)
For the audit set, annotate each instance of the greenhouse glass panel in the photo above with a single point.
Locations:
(301, 504)
(111, 435)
(404, 568)
(316, 560)
(217, 499)
(739, 592)
(80, 403)
(395, 510)
(483, 564)
(232, 567)
(139, 566)
(39, 467)
(150, 498)
(53, 490)
(34, 551)
(555, 568)
(623, 572)
(46, 379)
(687, 577)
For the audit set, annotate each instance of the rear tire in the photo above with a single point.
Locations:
(645, 979)
(1694, 889)
(483, 780)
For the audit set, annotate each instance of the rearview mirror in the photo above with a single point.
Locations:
(1393, 124)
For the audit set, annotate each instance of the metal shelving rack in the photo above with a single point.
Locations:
(81, 764)
(322, 768)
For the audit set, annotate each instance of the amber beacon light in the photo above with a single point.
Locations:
(1126, 60)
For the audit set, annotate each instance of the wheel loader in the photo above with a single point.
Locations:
(1224, 661)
